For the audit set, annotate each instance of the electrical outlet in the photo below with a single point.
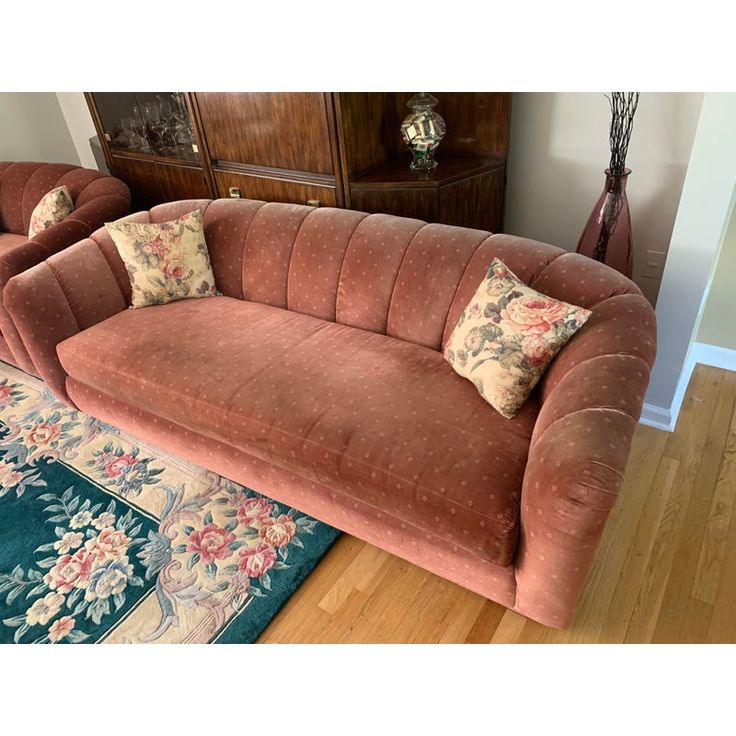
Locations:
(653, 264)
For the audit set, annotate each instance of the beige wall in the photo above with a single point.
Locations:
(559, 149)
(32, 128)
(718, 323)
(79, 122)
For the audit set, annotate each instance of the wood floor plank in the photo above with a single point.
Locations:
(289, 627)
(722, 628)
(461, 618)
(426, 619)
(378, 618)
(665, 569)
(337, 629)
(510, 629)
(654, 580)
(486, 623)
(700, 468)
(359, 575)
(643, 519)
(715, 536)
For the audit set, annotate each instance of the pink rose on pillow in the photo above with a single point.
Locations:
(536, 350)
(533, 314)
(160, 247)
(173, 271)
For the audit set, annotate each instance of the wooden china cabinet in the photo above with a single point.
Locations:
(319, 148)
(151, 142)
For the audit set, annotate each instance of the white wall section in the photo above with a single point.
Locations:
(702, 219)
(79, 122)
(32, 128)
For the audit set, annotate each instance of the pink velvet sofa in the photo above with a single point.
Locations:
(318, 379)
(98, 198)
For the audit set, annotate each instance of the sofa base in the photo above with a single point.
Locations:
(5, 355)
(360, 520)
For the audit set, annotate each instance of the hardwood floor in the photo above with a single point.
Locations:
(665, 571)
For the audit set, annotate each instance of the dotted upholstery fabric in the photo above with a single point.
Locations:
(320, 373)
(409, 541)
(285, 390)
(370, 268)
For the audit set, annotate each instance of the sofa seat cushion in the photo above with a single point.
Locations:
(379, 420)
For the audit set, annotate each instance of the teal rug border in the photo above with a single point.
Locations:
(243, 629)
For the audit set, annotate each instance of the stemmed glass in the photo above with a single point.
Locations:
(183, 136)
(155, 124)
(136, 126)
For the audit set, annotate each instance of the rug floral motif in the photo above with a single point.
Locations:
(105, 539)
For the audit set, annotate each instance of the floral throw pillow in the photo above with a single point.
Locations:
(507, 336)
(165, 261)
(53, 207)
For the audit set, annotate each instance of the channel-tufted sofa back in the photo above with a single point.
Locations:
(391, 275)
(388, 275)
(23, 183)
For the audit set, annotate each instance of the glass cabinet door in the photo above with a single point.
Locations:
(147, 122)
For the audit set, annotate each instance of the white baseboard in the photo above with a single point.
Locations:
(715, 356)
(657, 417)
(666, 418)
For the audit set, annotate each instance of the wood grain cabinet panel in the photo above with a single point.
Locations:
(183, 182)
(476, 202)
(274, 190)
(140, 175)
(281, 130)
(153, 182)
(419, 203)
(462, 190)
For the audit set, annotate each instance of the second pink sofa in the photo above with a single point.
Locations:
(98, 198)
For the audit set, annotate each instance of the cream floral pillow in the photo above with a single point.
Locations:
(53, 207)
(507, 336)
(165, 261)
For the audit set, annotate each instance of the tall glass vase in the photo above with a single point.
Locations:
(607, 234)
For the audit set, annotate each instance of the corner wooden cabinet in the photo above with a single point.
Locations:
(324, 149)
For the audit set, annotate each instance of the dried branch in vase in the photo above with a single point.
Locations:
(623, 107)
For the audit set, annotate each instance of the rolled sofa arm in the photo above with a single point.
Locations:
(81, 222)
(68, 292)
(21, 258)
(592, 396)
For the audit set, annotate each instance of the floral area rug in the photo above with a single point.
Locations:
(105, 539)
